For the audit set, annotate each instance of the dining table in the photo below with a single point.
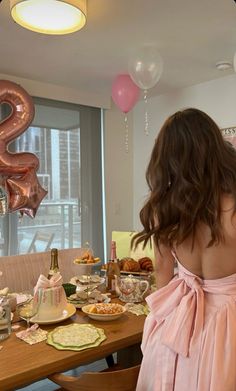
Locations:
(22, 364)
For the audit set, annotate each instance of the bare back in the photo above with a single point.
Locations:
(216, 261)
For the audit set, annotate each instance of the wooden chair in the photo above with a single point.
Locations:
(39, 239)
(120, 380)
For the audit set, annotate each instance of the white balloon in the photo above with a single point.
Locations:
(146, 66)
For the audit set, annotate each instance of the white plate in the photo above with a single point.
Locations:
(88, 279)
(81, 281)
(80, 305)
(70, 311)
(103, 317)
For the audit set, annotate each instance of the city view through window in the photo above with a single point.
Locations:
(58, 219)
(67, 139)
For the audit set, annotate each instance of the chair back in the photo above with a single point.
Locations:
(21, 272)
(41, 242)
(122, 380)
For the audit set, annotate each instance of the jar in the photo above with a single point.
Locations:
(5, 318)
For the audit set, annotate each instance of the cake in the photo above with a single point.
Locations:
(51, 302)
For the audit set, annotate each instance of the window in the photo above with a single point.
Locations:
(67, 140)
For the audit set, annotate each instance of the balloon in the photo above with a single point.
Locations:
(17, 163)
(146, 66)
(13, 126)
(125, 93)
(18, 170)
(22, 110)
(26, 193)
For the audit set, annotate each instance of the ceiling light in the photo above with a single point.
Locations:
(50, 16)
(223, 65)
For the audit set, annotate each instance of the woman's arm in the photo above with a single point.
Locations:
(164, 266)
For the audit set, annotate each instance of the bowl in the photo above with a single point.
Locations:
(103, 317)
(69, 289)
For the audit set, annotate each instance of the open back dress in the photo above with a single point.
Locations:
(189, 340)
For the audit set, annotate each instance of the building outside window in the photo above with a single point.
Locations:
(67, 140)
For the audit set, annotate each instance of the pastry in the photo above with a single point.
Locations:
(129, 265)
(146, 264)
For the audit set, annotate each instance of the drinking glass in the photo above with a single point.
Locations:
(27, 310)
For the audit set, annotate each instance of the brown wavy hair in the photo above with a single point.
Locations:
(191, 166)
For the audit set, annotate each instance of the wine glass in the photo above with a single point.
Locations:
(27, 310)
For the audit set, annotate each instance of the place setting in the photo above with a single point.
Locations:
(76, 337)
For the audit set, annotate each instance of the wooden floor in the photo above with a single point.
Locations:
(47, 385)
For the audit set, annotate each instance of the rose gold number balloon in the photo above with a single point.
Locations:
(18, 170)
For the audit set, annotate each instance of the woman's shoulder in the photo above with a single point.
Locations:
(228, 215)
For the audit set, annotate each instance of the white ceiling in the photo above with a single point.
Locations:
(192, 35)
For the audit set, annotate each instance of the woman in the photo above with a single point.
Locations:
(189, 341)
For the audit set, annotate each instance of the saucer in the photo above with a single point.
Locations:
(85, 280)
(80, 303)
(67, 313)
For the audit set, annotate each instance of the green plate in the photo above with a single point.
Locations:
(62, 337)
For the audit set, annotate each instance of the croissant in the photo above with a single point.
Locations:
(129, 265)
(146, 264)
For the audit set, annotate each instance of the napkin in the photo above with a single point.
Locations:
(32, 335)
(137, 309)
(44, 282)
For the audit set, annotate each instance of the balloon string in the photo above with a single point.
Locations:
(126, 134)
(146, 113)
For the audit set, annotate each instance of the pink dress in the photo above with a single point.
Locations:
(189, 340)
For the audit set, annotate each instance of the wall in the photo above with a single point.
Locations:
(217, 98)
(58, 92)
(118, 173)
(125, 184)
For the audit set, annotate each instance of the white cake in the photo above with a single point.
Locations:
(51, 303)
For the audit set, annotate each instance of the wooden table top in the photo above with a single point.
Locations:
(22, 364)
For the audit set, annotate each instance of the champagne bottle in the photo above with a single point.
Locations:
(113, 270)
(54, 268)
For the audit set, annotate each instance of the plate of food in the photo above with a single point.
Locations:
(140, 267)
(104, 311)
(85, 280)
(85, 263)
(87, 259)
(81, 298)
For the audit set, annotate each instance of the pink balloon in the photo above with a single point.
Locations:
(26, 193)
(18, 170)
(125, 93)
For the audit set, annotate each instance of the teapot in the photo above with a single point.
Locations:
(131, 289)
